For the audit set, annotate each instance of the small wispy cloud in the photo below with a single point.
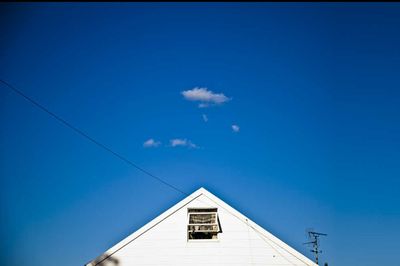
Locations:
(205, 97)
(205, 118)
(235, 128)
(151, 143)
(182, 143)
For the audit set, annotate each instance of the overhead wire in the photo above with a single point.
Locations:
(91, 139)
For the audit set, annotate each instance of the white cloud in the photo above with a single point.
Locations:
(205, 97)
(183, 143)
(151, 143)
(235, 128)
(205, 118)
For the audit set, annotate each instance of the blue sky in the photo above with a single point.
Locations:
(314, 89)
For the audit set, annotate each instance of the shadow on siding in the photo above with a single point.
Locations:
(104, 260)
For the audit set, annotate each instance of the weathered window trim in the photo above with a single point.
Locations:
(214, 224)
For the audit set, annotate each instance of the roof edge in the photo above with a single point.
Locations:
(158, 219)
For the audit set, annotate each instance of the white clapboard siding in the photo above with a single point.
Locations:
(163, 241)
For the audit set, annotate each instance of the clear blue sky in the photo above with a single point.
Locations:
(314, 88)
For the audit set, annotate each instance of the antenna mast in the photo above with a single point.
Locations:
(314, 236)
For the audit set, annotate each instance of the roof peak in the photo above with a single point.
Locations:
(202, 190)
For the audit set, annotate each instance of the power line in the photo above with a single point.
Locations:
(83, 134)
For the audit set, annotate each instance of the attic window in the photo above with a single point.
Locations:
(203, 223)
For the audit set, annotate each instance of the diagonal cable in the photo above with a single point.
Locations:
(91, 139)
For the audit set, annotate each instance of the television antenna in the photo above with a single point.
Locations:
(314, 241)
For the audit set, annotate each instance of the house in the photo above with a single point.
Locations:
(201, 230)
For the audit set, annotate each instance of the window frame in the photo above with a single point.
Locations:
(206, 211)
